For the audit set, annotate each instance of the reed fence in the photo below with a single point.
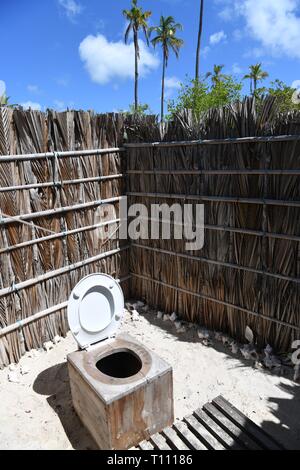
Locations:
(243, 164)
(57, 172)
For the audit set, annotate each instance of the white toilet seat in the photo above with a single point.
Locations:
(95, 309)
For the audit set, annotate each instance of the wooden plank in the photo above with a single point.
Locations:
(236, 416)
(203, 434)
(174, 440)
(236, 432)
(146, 445)
(217, 431)
(159, 442)
(188, 437)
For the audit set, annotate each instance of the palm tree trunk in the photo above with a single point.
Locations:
(255, 84)
(136, 75)
(199, 40)
(163, 87)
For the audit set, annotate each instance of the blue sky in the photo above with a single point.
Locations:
(70, 53)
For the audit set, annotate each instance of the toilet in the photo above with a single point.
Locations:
(121, 391)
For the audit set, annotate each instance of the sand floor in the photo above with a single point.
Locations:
(37, 412)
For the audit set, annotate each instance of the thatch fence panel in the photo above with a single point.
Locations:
(248, 270)
(54, 185)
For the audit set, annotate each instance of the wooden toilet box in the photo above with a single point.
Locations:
(121, 412)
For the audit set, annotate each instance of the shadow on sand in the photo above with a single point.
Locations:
(54, 382)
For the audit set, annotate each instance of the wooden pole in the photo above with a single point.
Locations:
(4, 189)
(257, 172)
(71, 153)
(235, 140)
(59, 272)
(240, 200)
(217, 263)
(220, 302)
(67, 233)
(60, 210)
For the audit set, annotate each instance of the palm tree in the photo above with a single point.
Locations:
(166, 36)
(199, 40)
(137, 19)
(216, 76)
(256, 75)
(4, 100)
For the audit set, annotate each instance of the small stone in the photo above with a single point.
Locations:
(13, 378)
(218, 336)
(160, 315)
(207, 342)
(48, 346)
(13, 367)
(24, 370)
(181, 330)
(258, 365)
(225, 340)
(234, 347)
(140, 304)
(166, 317)
(173, 317)
(203, 334)
(177, 325)
(57, 339)
(135, 316)
(146, 308)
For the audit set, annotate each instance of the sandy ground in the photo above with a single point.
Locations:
(37, 412)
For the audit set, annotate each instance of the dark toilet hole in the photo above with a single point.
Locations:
(121, 364)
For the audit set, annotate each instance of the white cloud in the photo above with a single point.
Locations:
(225, 14)
(236, 69)
(296, 84)
(33, 89)
(59, 105)
(204, 52)
(71, 8)
(216, 38)
(172, 83)
(105, 60)
(32, 105)
(2, 87)
(274, 23)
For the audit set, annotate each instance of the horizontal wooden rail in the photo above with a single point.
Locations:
(235, 140)
(48, 155)
(254, 172)
(57, 235)
(60, 210)
(59, 272)
(240, 200)
(220, 302)
(226, 228)
(217, 263)
(60, 183)
(44, 313)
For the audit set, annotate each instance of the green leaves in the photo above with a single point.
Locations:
(199, 96)
(166, 36)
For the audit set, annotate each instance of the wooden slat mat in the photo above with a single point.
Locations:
(217, 426)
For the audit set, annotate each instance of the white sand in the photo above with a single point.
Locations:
(37, 412)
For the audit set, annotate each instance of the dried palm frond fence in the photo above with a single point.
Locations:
(57, 172)
(246, 171)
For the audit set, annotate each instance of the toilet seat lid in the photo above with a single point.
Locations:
(95, 309)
